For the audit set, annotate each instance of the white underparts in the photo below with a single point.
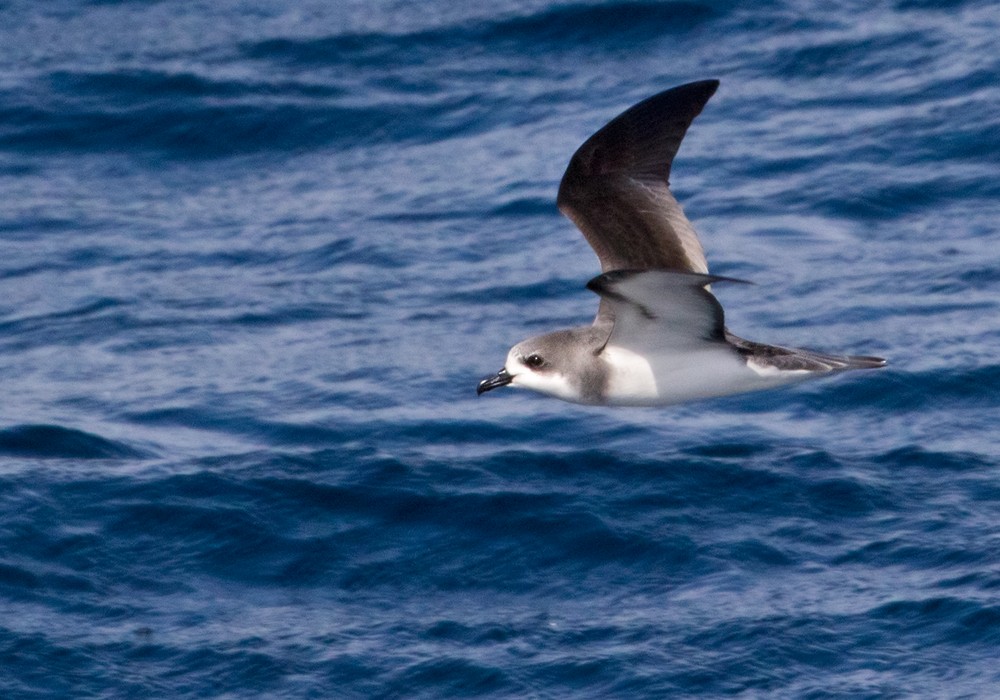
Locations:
(630, 376)
(703, 371)
(770, 371)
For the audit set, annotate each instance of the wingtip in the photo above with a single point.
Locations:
(706, 87)
(603, 282)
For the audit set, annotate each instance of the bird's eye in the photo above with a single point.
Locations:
(534, 360)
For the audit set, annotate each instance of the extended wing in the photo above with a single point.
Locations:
(616, 186)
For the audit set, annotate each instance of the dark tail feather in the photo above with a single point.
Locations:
(863, 362)
(801, 359)
(836, 363)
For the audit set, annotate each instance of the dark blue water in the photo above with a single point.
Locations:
(255, 257)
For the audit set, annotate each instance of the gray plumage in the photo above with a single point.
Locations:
(659, 336)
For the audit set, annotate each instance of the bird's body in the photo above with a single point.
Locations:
(617, 376)
(659, 337)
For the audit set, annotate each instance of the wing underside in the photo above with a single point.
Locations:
(661, 311)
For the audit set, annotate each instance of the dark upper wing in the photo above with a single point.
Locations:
(615, 188)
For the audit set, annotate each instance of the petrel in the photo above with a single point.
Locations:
(659, 337)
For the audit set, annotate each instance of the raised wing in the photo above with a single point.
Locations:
(616, 186)
(661, 311)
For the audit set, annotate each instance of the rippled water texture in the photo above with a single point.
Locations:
(254, 258)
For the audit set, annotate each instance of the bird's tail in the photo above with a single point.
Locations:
(837, 363)
(802, 359)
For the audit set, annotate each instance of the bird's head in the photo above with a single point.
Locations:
(556, 364)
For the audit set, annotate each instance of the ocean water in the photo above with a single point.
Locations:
(254, 258)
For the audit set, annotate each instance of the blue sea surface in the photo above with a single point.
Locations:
(255, 256)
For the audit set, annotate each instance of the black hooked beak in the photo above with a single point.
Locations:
(501, 378)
